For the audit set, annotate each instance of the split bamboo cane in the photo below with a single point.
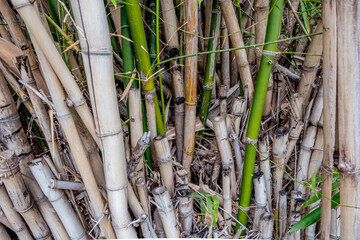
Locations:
(20, 196)
(58, 199)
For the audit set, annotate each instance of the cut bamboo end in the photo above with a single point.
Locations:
(266, 226)
(166, 212)
(186, 212)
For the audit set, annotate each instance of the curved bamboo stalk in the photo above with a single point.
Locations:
(191, 47)
(77, 149)
(17, 223)
(232, 25)
(165, 164)
(58, 199)
(20, 196)
(166, 212)
(252, 133)
(330, 84)
(40, 34)
(97, 57)
(13, 137)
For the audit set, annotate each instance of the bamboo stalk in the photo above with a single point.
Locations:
(3, 32)
(159, 228)
(348, 74)
(283, 214)
(77, 149)
(58, 199)
(265, 168)
(278, 151)
(227, 164)
(329, 112)
(15, 220)
(232, 25)
(99, 71)
(143, 195)
(3, 220)
(21, 198)
(272, 33)
(166, 212)
(3, 234)
(191, 47)
(42, 115)
(295, 203)
(224, 56)
(13, 137)
(210, 68)
(223, 101)
(317, 154)
(260, 197)
(165, 164)
(266, 226)
(186, 211)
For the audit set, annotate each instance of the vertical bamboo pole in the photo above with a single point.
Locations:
(77, 149)
(265, 168)
(348, 87)
(191, 70)
(329, 112)
(58, 199)
(97, 57)
(283, 214)
(17, 223)
(33, 22)
(20, 196)
(186, 210)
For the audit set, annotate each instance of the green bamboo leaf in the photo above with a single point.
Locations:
(216, 208)
(305, 16)
(210, 208)
(198, 195)
(316, 197)
(315, 215)
(114, 2)
(203, 207)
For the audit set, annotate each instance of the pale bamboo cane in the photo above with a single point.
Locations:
(278, 151)
(227, 164)
(296, 128)
(97, 57)
(136, 125)
(334, 224)
(232, 25)
(186, 211)
(58, 199)
(310, 231)
(260, 197)
(162, 149)
(13, 137)
(3, 233)
(166, 212)
(224, 56)
(40, 34)
(261, 11)
(3, 32)
(191, 43)
(294, 216)
(223, 101)
(20, 196)
(317, 154)
(265, 168)
(238, 108)
(69, 128)
(266, 226)
(159, 228)
(42, 115)
(283, 214)
(329, 80)
(4, 220)
(17, 223)
(143, 195)
(22, 42)
(348, 74)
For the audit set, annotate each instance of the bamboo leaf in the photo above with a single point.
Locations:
(216, 209)
(203, 207)
(316, 197)
(315, 215)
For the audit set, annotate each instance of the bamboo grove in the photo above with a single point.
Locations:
(179, 119)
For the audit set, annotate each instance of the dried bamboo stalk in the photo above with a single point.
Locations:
(260, 197)
(334, 224)
(223, 100)
(330, 84)
(40, 34)
(317, 154)
(151, 124)
(191, 43)
(266, 226)
(16, 222)
(8, 55)
(294, 216)
(261, 11)
(3, 233)
(227, 165)
(224, 56)
(3, 32)
(348, 75)
(283, 214)
(166, 212)
(162, 149)
(136, 125)
(238, 156)
(265, 168)
(3, 220)
(64, 185)
(186, 211)
(77, 149)
(58, 199)
(143, 195)
(232, 24)
(20, 196)
(278, 151)
(238, 108)
(13, 137)
(159, 228)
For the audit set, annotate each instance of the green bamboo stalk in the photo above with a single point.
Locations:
(272, 34)
(142, 54)
(152, 33)
(210, 62)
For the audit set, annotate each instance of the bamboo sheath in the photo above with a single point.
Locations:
(232, 25)
(227, 165)
(20, 196)
(348, 75)
(97, 57)
(40, 34)
(71, 134)
(41, 113)
(13, 137)
(329, 81)
(191, 43)
(58, 200)
(165, 164)
(166, 212)
(16, 222)
(21, 42)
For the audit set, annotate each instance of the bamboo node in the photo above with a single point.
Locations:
(9, 164)
(251, 141)
(23, 5)
(26, 209)
(149, 92)
(190, 103)
(269, 53)
(242, 66)
(99, 51)
(43, 199)
(164, 160)
(104, 135)
(117, 188)
(22, 227)
(310, 69)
